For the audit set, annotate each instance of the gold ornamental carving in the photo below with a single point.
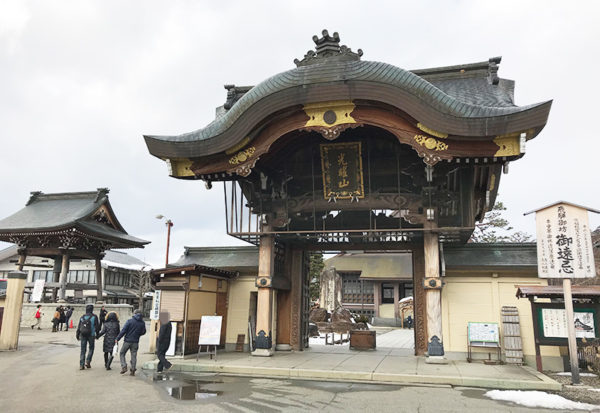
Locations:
(242, 156)
(329, 114)
(179, 167)
(432, 132)
(430, 143)
(508, 145)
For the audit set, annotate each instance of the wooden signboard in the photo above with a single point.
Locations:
(564, 242)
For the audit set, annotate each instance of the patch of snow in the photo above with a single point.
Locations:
(136, 267)
(320, 341)
(568, 373)
(405, 299)
(594, 389)
(536, 398)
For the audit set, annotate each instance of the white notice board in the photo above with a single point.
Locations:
(171, 350)
(38, 290)
(483, 332)
(210, 330)
(155, 312)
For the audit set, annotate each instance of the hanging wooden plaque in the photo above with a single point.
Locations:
(342, 170)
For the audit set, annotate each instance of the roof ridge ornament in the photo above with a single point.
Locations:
(328, 47)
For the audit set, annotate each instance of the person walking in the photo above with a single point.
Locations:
(103, 313)
(163, 342)
(68, 315)
(110, 330)
(38, 318)
(132, 330)
(55, 320)
(87, 330)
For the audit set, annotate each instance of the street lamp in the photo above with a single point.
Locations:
(169, 224)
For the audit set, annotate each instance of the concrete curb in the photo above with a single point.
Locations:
(544, 382)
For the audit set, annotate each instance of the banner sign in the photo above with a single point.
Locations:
(564, 242)
(155, 312)
(38, 291)
(341, 164)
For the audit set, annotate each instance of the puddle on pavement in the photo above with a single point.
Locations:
(186, 387)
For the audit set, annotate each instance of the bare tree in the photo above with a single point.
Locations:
(142, 283)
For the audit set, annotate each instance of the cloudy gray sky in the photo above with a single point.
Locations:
(81, 81)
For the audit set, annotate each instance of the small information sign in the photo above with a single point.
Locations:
(210, 330)
(483, 332)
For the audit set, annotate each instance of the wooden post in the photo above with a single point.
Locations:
(376, 297)
(264, 310)
(63, 276)
(99, 279)
(433, 293)
(9, 335)
(396, 299)
(571, 331)
(536, 334)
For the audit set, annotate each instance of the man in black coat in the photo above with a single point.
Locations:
(163, 342)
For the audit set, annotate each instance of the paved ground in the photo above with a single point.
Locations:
(44, 376)
(386, 364)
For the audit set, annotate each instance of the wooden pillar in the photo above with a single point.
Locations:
(376, 296)
(63, 276)
(297, 282)
(396, 299)
(572, 341)
(419, 310)
(22, 257)
(433, 293)
(13, 306)
(264, 304)
(99, 280)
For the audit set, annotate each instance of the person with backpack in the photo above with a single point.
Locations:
(110, 331)
(38, 318)
(87, 330)
(132, 330)
(68, 315)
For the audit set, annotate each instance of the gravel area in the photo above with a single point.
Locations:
(587, 392)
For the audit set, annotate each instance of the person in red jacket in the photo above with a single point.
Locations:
(38, 318)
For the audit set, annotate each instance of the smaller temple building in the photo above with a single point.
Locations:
(66, 227)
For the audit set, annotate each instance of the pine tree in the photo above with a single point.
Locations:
(316, 266)
(495, 228)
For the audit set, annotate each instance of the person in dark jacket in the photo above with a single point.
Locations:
(110, 331)
(163, 342)
(132, 330)
(103, 313)
(62, 317)
(68, 315)
(87, 335)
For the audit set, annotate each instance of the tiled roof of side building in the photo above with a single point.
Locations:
(491, 255)
(234, 257)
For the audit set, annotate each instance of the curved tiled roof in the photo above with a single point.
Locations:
(467, 107)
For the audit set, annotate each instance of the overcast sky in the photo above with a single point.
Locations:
(82, 81)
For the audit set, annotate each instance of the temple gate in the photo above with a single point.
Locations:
(341, 153)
